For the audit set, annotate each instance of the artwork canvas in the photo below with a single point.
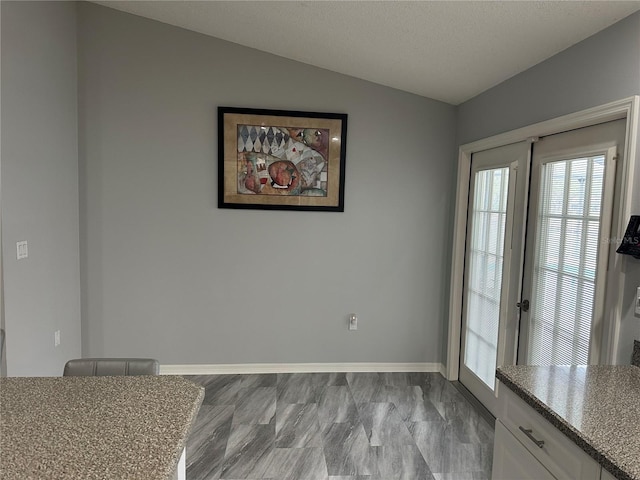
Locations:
(277, 159)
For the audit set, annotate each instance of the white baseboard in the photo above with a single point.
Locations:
(246, 368)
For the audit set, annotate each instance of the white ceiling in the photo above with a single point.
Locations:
(446, 50)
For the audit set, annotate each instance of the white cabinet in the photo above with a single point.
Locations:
(512, 461)
(606, 475)
(543, 451)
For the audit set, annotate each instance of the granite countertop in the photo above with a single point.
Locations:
(95, 427)
(598, 407)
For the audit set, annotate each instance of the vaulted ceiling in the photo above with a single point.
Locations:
(446, 50)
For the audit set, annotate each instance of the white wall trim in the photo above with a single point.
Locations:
(616, 277)
(585, 118)
(247, 368)
(625, 108)
(457, 265)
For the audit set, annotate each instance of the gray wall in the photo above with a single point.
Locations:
(168, 274)
(598, 70)
(40, 185)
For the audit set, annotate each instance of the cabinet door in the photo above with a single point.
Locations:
(511, 461)
(606, 475)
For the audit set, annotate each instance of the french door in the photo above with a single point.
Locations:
(539, 216)
(499, 180)
(572, 185)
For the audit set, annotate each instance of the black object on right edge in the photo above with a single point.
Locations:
(631, 242)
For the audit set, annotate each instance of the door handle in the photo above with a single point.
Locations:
(529, 433)
(523, 305)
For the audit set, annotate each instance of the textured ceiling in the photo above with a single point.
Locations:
(446, 50)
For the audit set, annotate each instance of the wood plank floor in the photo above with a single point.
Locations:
(337, 426)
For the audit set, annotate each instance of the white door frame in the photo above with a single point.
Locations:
(625, 108)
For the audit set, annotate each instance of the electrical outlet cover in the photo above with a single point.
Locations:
(22, 250)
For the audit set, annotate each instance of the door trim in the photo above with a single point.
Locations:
(625, 108)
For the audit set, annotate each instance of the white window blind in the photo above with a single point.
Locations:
(565, 261)
(486, 257)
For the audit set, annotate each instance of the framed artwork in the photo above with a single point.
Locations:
(281, 160)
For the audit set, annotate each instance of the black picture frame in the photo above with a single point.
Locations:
(281, 159)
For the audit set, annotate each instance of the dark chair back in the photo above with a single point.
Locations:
(92, 367)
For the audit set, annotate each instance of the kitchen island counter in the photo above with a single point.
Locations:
(597, 407)
(95, 427)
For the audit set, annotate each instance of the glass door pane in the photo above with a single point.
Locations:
(565, 262)
(486, 258)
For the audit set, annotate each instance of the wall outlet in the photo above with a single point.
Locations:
(22, 250)
(56, 338)
(353, 321)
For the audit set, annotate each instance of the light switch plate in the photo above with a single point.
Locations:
(638, 301)
(353, 321)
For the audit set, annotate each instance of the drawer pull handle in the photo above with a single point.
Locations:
(528, 432)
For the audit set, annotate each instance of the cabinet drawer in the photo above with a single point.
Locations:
(511, 461)
(563, 458)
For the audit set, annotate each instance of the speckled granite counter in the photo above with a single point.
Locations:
(598, 407)
(95, 427)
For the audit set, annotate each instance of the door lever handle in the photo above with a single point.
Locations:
(523, 305)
